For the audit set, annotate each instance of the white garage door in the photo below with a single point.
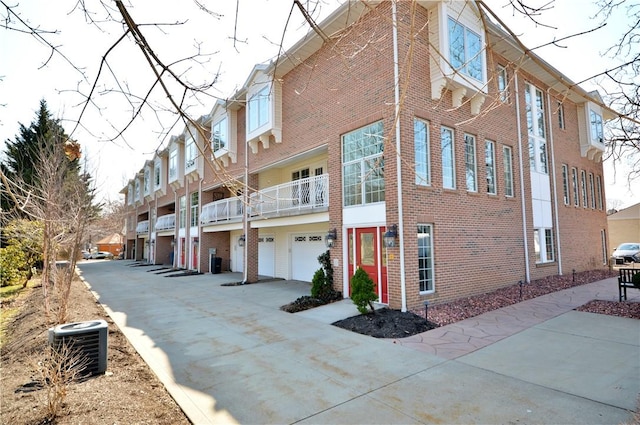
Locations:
(267, 255)
(305, 249)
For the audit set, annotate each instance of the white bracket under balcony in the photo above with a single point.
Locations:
(265, 138)
(592, 152)
(458, 92)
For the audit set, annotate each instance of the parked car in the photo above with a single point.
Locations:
(102, 255)
(86, 255)
(628, 252)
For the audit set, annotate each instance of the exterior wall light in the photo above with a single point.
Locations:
(331, 238)
(391, 236)
(241, 240)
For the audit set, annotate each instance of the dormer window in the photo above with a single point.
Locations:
(259, 109)
(173, 164)
(219, 136)
(190, 154)
(458, 54)
(137, 189)
(597, 134)
(465, 48)
(147, 181)
(156, 174)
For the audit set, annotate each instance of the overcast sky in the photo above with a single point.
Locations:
(26, 76)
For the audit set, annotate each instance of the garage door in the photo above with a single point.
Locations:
(267, 256)
(305, 249)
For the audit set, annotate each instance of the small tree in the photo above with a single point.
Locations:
(362, 291)
(318, 283)
(12, 264)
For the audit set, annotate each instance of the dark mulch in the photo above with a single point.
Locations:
(612, 308)
(386, 323)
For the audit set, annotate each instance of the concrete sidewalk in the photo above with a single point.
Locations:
(227, 354)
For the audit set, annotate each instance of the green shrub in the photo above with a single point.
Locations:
(12, 266)
(362, 291)
(318, 283)
(636, 280)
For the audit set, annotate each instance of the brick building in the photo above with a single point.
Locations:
(420, 137)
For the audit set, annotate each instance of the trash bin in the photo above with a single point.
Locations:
(216, 265)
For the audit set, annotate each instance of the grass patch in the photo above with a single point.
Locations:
(8, 296)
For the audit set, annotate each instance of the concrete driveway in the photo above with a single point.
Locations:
(227, 354)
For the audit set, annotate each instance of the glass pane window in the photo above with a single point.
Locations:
(147, 181)
(583, 187)
(190, 153)
(507, 163)
(597, 134)
(219, 135)
(447, 153)
(363, 165)
(490, 166)
(259, 109)
(502, 84)
(194, 209)
(599, 189)
(574, 181)
(592, 192)
(156, 174)
(543, 245)
(182, 219)
(561, 115)
(565, 183)
(425, 257)
(173, 164)
(465, 50)
(534, 102)
(421, 152)
(470, 163)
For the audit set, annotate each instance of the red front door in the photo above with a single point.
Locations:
(365, 251)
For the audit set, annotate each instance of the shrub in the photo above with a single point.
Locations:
(318, 283)
(636, 280)
(362, 291)
(12, 266)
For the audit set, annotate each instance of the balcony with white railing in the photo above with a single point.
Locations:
(142, 227)
(228, 209)
(297, 197)
(166, 222)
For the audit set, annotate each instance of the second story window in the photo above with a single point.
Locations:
(258, 109)
(448, 158)
(502, 84)
(363, 165)
(536, 128)
(194, 209)
(219, 138)
(156, 175)
(421, 151)
(147, 181)
(465, 48)
(507, 163)
(470, 163)
(182, 217)
(137, 189)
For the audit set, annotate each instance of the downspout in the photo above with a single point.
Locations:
(198, 223)
(522, 200)
(555, 189)
(396, 75)
(245, 216)
(176, 228)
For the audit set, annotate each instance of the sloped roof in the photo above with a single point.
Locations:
(115, 239)
(630, 213)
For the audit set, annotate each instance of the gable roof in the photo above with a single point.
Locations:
(630, 213)
(115, 239)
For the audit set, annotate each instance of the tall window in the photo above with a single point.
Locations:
(448, 167)
(363, 165)
(536, 128)
(592, 192)
(471, 169)
(583, 187)
(190, 153)
(465, 50)
(603, 245)
(565, 183)
(137, 189)
(490, 166)
(425, 257)
(543, 245)
(596, 127)
(560, 115)
(219, 135)
(574, 181)
(502, 84)
(173, 165)
(147, 181)
(156, 175)
(507, 163)
(259, 109)
(194, 209)
(182, 219)
(421, 151)
(599, 189)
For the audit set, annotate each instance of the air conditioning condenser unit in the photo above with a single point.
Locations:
(88, 340)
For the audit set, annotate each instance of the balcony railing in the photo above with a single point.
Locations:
(166, 222)
(296, 197)
(142, 227)
(228, 209)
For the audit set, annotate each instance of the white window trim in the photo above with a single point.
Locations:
(507, 160)
(470, 163)
(535, 149)
(432, 261)
(491, 172)
(565, 184)
(423, 179)
(453, 158)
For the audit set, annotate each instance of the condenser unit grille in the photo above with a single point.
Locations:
(86, 342)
